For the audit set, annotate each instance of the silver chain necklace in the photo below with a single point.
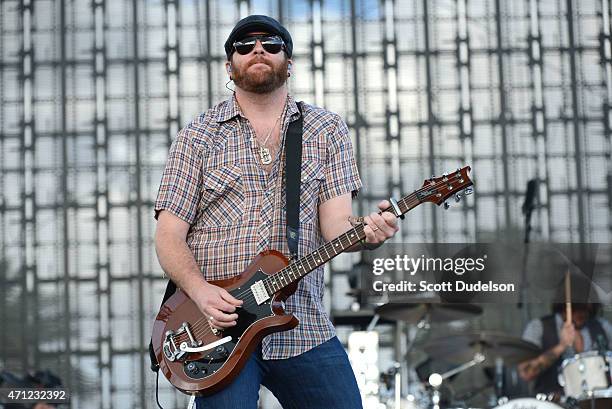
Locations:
(264, 152)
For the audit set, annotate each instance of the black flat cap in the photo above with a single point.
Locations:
(257, 23)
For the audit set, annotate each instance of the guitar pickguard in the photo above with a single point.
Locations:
(248, 314)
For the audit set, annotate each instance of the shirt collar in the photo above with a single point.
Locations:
(231, 109)
(228, 109)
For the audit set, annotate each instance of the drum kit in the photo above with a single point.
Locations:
(586, 378)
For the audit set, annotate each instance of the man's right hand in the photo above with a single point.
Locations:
(217, 305)
(567, 335)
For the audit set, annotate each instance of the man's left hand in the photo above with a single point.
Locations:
(380, 227)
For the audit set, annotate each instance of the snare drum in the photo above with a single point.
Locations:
(528, 403)
(584, 373)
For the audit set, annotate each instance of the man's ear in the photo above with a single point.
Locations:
(289, 68)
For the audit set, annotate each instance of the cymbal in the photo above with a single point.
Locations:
(416, 309)
(461, 348)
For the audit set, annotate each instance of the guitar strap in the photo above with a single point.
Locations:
(293, 170)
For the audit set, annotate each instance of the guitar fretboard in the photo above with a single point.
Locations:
(304, 265)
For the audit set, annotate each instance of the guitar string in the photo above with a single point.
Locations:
(407, 200)
(198, 326)
(198, 329)
(249, 299)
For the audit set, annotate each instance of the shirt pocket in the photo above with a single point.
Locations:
(311, 179)
(222, 200)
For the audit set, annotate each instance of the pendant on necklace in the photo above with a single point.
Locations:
(264, 155)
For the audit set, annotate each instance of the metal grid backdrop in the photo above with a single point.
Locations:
(93, 91)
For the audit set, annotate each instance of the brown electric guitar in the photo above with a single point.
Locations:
(200, 360)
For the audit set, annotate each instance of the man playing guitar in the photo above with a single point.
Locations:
(221, 202)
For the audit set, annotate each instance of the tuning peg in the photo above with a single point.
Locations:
(446, 206)
(457, 197)
(468, 191)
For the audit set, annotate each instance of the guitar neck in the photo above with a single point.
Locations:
(304, 265)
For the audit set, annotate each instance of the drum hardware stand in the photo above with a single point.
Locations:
(373, 323)
(572, 403)
(435, 399)
(436, 379)
(192, 404)
(592, 399)
(422, 325)
(398, 390)
(397, 382)
(499, 381)
(412, 332)
(568, 401)
(402, 371)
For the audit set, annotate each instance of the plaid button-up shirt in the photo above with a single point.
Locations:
(213, 181)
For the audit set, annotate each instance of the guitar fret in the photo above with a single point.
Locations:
(310, 258)
(329, 250)
(314, 262)
(346, 239)
(270, 288)
(329, 247)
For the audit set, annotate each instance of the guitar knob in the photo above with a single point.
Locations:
(446, 206)
(193, 368)
(221, 351)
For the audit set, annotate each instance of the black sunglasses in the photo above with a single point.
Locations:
(272, 44)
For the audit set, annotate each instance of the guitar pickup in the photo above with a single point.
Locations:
(259, 292)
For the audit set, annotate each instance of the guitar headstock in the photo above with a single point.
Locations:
(438, 189)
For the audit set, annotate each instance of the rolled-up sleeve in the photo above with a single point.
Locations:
(340, 172)
(179, 191)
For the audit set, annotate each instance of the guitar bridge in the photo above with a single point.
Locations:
(174, 352)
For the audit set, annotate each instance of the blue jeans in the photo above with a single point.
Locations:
(321, 378)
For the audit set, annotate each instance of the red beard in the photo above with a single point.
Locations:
(260, 80)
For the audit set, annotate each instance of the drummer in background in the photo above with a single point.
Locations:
(559, 340)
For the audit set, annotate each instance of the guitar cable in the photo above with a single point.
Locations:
(157, 391)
